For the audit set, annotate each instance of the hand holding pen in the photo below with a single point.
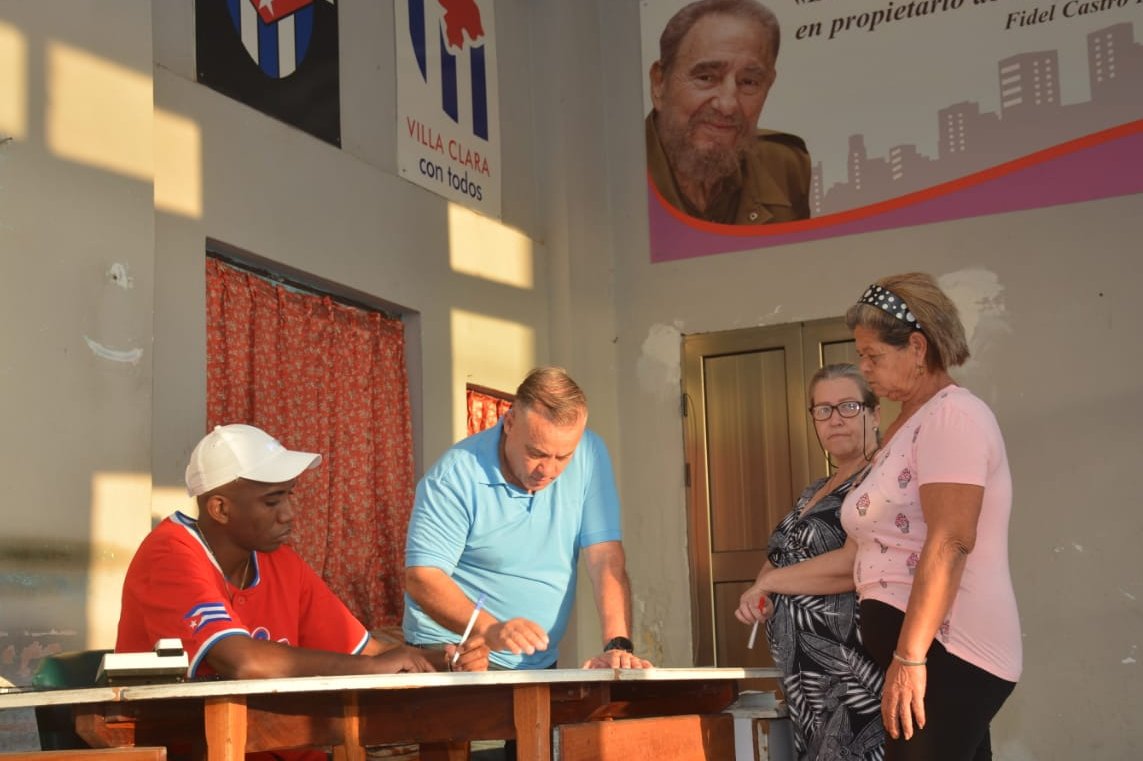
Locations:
(467, 631)
(765, 610)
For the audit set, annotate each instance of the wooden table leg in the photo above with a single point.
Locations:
(351, 749)
(225, 720)
(532, 714)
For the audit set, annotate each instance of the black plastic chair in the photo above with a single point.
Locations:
(55, 724)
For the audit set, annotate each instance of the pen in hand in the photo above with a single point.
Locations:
(754, 630)
(468, 629)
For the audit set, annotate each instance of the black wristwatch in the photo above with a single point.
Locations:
(619, 643)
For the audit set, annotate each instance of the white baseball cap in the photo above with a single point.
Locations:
(230, 452)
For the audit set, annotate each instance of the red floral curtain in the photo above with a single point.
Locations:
(485, 408)
(323, 377)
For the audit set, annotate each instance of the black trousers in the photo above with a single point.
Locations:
(960, 698)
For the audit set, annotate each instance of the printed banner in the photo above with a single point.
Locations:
(882, 113)
(448, 109)
(279, 57)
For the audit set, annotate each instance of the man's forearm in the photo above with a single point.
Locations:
(249, 658)
(614, 602)
(606, 566)
(442, 600)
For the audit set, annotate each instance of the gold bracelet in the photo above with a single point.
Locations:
(907, 662)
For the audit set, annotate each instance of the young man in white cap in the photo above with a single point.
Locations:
(244, 604)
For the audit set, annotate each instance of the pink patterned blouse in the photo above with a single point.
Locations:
(952, 438)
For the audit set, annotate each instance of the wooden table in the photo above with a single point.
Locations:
(442, 711)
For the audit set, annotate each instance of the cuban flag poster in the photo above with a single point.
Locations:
(448, 136)
(278, 56)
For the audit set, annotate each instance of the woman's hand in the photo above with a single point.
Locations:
(754, 605)
(903, 700)
(952, 512)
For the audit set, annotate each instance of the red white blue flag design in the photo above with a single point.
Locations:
(276, 33)
(205, 613)
(278, 56)
(448, 129)
(461, 21)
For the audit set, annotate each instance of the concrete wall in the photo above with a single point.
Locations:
(77, 256)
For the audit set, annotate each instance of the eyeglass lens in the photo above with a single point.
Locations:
(822, 412)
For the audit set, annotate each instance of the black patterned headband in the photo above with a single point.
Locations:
(885, 299)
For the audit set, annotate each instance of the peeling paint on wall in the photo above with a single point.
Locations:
(118, 275)
(1060, 548)
(649, 634)
(979, 297)
(131, 356)
(659, 366)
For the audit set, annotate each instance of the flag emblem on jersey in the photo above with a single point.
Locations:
(460, 65)
(278, 56)
(205, 613)
(276, 33)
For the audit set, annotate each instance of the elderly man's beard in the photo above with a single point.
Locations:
(708, 165)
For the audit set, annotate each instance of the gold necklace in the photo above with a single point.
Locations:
(831, 486)
(245, 566)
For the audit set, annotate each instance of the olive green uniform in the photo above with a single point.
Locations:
(774, 187)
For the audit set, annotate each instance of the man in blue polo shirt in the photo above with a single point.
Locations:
(502, 517)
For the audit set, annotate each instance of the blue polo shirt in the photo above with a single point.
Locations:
(517, 549)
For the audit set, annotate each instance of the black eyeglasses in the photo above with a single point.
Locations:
(823, 412)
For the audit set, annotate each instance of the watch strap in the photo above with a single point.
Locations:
(619, 643)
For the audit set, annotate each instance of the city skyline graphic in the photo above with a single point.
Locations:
(1031, 117)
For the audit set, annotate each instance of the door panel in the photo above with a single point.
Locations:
(745, 410)
(741, 430)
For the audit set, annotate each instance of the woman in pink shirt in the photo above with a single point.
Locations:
(928, 533)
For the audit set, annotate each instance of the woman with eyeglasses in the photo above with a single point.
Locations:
(831, 686)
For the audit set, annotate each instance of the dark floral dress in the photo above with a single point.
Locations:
(832, 687)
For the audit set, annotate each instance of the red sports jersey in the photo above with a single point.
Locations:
(174, 588)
